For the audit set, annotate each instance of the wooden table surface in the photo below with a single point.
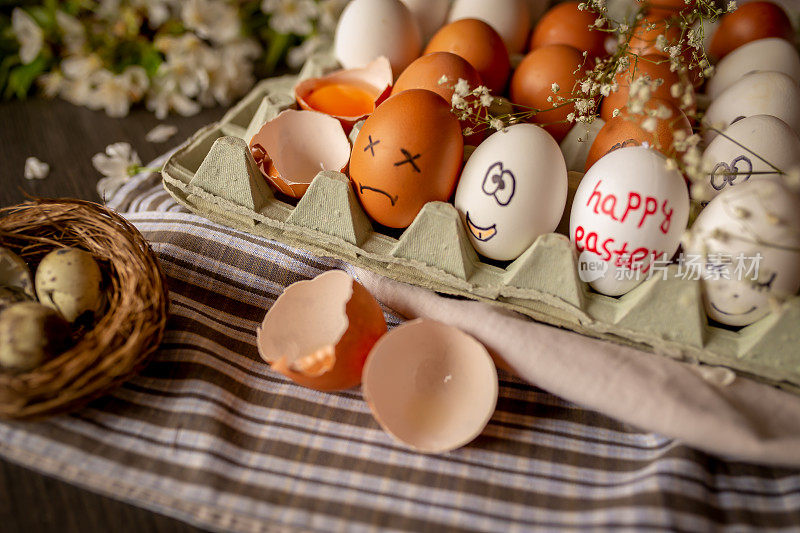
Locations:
(66, 137)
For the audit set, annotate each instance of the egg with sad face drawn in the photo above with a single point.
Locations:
(745, 247)
(513, 189)
(407, 153)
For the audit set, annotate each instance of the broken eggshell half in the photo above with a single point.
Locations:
(291, 149)
(318, 332)
(349, 95)
(431, 386)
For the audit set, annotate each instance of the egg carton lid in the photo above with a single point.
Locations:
(214, 175)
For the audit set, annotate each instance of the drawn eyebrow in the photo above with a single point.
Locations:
(371, 146)
(409, 159)
(392, 199)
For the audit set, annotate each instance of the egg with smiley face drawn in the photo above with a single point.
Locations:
(407, 153)
(746, 247)
(513, 189)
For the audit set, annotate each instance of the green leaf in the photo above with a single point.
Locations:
(21, 78)
(276, 51)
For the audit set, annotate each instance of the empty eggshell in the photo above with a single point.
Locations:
(772, 54)
(318, 332)
(768, 141)
(352, 93)
(295, 146)
(759, 93)
(430, 386)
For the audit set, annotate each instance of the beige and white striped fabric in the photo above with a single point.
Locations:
(209, 435)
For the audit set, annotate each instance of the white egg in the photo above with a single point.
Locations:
(578, 142)
(513, 189)
(628, 211)
(369, 29)
(759, 93)
(746, 245)
(752, 148)
(430, 15)
(773, 55)
(509, 18)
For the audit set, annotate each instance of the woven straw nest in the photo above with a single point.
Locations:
(131, 327)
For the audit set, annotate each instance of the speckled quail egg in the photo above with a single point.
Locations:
(69, 281)
(31, 333)
(14, 273)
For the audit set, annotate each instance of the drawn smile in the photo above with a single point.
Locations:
(733, 314)
(392, 199)
(481, 233)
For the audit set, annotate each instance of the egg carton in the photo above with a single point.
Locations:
(214, 175)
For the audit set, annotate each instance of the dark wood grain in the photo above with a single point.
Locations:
(66, 137)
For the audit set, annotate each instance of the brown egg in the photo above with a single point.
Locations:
(425, 73)
(667, 7)
(533, 81)
(408, 153)
(645, 38)
(654, 66)
(566, 24)
(478, 43)
(750, 22)
(626, 130)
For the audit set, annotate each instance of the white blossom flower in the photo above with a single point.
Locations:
(72, 31)
(51, 83)
(158, 11)
(649, 124)
(462, 87)
(116, 92)
(732, 6)
(329, 12)
(119, 162)
(291, 16)
(29, 35)
(487, 100)
(443, 80)
(298, 55)
(79, 74)
(496, 124)
(555, 87)
(232, 75)
(165, 95)
(161, 133)
(36, 169)
(215, 20)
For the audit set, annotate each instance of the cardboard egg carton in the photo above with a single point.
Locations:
(214, 175)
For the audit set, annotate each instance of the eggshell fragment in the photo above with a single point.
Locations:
(318, 332)
(295, 146)
(431, 386)
(375, 80)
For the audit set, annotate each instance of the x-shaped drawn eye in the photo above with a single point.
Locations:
(500, 183)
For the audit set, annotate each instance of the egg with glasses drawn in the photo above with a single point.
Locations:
(746, 245)
(752, 148)
(513, 189)
(407, 153)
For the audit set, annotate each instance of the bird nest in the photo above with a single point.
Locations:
(115, 346)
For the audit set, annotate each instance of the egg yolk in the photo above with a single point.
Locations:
(341, 100)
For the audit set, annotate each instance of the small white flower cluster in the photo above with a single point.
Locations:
(473, 106)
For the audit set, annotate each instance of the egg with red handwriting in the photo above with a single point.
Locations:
(746, 245)
(509, 18)
(368, 29)
(566, 24)
(627, 218)
(478, 43)
(750, 22)
(753, 148)
(407, 153)
(772, 54)
(759, 93)
(427, 71)
(548, 80)
(513, 189)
